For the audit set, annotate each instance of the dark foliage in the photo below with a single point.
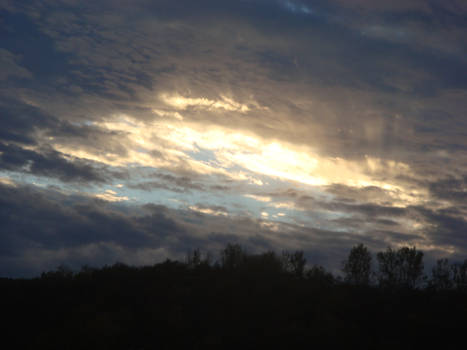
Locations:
(357, 267)
(245, 301)
(402, 268)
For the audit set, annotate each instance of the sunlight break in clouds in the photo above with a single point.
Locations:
(175, 144)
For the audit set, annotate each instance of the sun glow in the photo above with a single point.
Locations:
(175, 143)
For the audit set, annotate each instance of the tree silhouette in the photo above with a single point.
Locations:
(442, 275)
(233, 256)
(400, 268)
(294, 262)
(459, 272)
(265, 263)
(62, 272)
(320, 276)
(357, 267)
(193, 258)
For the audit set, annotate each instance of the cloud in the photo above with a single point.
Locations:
(50, 163)
(179, 102)
(111, 196)
(172, 145)
(173, 183)
(10, 66)
(209, 210)
(297, 7)
(6, 181)
(258, 198)
(20, 121)
(56, 227)
(342, 121)
(39, 220)
(453, 189)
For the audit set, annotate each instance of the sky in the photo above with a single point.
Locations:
(136, 131)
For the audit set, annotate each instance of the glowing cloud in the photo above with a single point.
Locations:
(208, 211)
(258, 198)
(240, 155)
(180, 102)
(7, 181)
(111, 196)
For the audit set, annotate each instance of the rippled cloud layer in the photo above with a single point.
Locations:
(137, 130)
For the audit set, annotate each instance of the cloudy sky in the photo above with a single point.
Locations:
(134, 131)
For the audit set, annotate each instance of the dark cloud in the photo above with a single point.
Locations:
(24, 144)
(453, 189)
(50, 163)
(168, 182)
(352, 194)
(448, 226)
(35, 220)
(22, 36)
(347, 199)
(42, 228)
(368, 210)
(19, 121)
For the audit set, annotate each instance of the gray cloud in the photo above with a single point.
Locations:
(20, 121)
(113, 66)
(169, 182)
(42, 228)
(452, 188)
(36, 220)
(448, 226)
(52, 164)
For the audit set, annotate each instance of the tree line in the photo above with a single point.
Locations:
(240, 300)
(396, 268)
(401, 268)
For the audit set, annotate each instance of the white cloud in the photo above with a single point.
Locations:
(111, 196)
(258, 198)
(208, 211)
(179, 102)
